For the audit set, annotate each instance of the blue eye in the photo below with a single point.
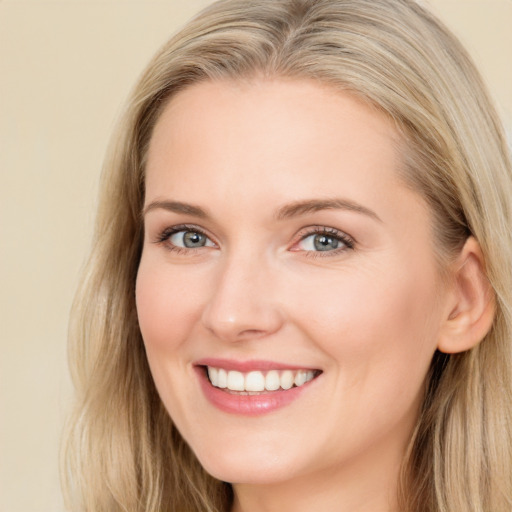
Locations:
(189, 239)
(325, 241)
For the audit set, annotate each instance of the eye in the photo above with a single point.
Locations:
(184, 238)
(325, 240)
(190, 239)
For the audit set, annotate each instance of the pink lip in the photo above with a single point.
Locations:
(248, 366)
(247, 405)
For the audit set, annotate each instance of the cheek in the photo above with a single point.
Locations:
(376, 325)
(166, 306)
(167, 314)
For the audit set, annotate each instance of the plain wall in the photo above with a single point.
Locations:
(65, 69)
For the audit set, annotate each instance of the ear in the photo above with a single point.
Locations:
(471, 302)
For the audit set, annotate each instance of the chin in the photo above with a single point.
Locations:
(237, 468)
(248, 476)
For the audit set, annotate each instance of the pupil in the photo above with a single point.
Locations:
(193, 239)
(325, 243)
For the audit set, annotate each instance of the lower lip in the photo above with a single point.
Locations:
(249, 405)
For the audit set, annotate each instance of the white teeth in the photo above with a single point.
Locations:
(272, 381)
(300, 378)
(236, 381)
(222, 379)
(257, 381)
(287, 379)
(213, 375)
(254, 381)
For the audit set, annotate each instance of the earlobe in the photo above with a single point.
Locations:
(471, 307)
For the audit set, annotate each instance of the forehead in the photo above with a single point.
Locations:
(272, 130)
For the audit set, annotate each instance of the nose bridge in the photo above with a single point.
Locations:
(242, 304)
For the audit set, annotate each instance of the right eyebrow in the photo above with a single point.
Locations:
(176, 207)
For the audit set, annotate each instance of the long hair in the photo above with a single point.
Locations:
(122, 452)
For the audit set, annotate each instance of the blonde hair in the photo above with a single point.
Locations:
(122, 452)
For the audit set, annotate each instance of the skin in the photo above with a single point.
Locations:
(368, 316)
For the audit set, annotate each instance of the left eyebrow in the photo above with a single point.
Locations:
(314, 205)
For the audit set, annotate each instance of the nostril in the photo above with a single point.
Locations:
(252, 333)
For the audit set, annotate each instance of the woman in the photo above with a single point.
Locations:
(299, 292)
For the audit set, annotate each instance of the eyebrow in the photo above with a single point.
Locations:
(314, 205)
(294, 209)
(176, 207)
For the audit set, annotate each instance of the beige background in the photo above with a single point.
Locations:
(65, 68)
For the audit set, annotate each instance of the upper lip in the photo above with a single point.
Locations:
(250, 365)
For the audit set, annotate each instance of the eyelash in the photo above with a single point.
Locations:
(348, 243)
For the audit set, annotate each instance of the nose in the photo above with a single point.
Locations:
(243, 303)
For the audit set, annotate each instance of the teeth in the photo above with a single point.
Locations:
(272, 381)
(213, 375)
(236, 381)
(223, 379)
(287, 379)
(256, 381)
(300, 378)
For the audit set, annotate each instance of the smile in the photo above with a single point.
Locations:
(258, 381)
(253, 388)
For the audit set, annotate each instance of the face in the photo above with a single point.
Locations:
(284, 257)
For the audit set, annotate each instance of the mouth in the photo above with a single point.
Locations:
(257, 382)
(253, 388)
